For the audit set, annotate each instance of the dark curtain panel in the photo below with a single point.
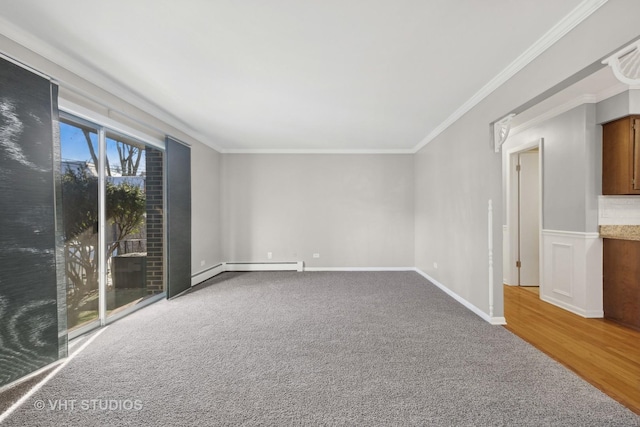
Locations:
(178, 173)
(28, 281)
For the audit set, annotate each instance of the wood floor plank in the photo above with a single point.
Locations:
(602, 352)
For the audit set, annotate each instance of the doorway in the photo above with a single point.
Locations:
(525, 214)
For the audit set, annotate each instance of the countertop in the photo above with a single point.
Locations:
(623, 232)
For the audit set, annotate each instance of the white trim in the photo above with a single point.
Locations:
(510, 269)
(464, 302)
(501, 129)
(583, 234)
(318, 151)
(590, 314)
(207, 274)
(46, 379)
(264, 266)
(574, 18)
(490, 253)
(506, 253)
(614, 62)
(359, 269)
(113, 125)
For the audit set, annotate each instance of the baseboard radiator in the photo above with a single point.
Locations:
(245, 266)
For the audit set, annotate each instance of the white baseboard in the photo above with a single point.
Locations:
(590, 314)
(492, 320)
(264, 266)
(208, 273)
(359, 269)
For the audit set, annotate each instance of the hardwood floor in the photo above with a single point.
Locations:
(602, 352)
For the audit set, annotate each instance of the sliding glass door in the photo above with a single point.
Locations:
(112, 196)
(79, 148)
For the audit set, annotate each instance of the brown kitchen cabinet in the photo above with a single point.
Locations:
(621, 156)
(621, 281)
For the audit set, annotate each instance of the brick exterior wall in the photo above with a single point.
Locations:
(155, 250)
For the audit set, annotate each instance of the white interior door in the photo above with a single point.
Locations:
(529, 218)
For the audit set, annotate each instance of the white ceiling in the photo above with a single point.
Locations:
(290, 74)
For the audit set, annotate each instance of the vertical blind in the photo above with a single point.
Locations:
(178, 173)
(31, 289)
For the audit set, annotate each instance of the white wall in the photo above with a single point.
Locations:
(457, 172)
(354, 210)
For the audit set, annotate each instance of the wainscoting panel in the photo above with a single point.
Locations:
(572, 271)
(562, 269)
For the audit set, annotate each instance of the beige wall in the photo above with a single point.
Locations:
(354, 210)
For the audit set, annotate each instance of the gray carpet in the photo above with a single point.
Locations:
(356, 349)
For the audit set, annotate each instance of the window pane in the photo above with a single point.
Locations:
(79, 148)
(134, 222)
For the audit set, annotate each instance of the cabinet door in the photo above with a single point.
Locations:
(619, 156)
(635, 137)
(621, 281)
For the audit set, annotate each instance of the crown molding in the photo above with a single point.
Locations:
(569, 22)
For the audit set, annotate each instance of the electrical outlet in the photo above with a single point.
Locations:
(203, 262)
(435, 265)
(316, 255)
(269, 255)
